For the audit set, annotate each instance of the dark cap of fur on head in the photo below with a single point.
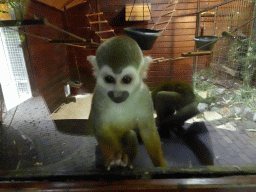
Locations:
(119, 52)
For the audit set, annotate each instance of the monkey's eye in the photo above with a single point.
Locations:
(110, 79)
(126, 79)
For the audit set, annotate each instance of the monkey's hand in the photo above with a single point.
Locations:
(118, 159)
(129, 146)
(117, 151)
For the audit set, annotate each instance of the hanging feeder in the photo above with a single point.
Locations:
(147, 37)
(144, 37)
(205, 43)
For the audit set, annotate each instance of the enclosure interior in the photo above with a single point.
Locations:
(47, 83)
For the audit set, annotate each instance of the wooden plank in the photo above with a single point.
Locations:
(71, 3)
(137, 12)
(97, 22)
(192, 54)
(161, 60)
(208, 14)
(170, 44)
(155, 13)
(88, 41)
(225, 69)
(175, 38)
(172, 52)
(56, 100)
(161, 23)
(168, 13)
(160, 73)
(174, 27)
(94, 14)
(182, 6)
(171, 4)
(47, 61)
(107, 31)
(50, 86)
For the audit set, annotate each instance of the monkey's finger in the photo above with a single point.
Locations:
(109, 160)
(130, 166)
(124, 160)
(123, 164)
(111, 163)
(118, 159)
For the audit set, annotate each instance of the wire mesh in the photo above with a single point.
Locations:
(17, 62)
(229, 60)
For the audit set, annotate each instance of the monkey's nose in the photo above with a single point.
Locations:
(118, 96)
(118, 93)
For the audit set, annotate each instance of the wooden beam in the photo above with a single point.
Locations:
(75, 84)
(62, 30)
(107, 31)
(94, 14)
(207, 9)
(137, 12)
(97, 22)
(161, 23)
(67, 3)
(192, 54)
(168, 13)
(208, 14)
(161, 60)
(9, 23)
(88, 41)
(225, 69)
(171, 4)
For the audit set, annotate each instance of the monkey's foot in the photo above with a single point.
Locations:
(118, 159)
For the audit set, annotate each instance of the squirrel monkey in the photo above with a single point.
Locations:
(174, 102)
(122, 103)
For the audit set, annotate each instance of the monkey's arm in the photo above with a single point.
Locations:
(151, 140)
(109, 145)
(108, 141)
(182, 115)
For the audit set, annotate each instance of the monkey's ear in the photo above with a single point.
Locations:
(92, 60)
(144, 68)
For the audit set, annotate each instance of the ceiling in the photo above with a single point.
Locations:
(59, 4)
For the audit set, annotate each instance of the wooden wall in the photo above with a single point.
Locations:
(52, 65)
(6, 15)
(47, 63)
(77, 23)
(177, 39)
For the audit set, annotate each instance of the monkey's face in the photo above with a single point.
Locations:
(118, 86)
(119, 67)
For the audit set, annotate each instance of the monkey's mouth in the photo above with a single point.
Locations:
(118, 97)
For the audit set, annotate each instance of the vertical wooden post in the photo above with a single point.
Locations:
(1, 109)
(98, 10)
(250, 77)
(72, 62)
(196, 34)
(214, 21)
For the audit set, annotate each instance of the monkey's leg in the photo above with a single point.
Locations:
(183, 114)
(130, 147)
(151, 140)
(110, 147)
(166, 103)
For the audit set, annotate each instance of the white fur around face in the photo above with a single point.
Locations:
(144, 67)
(142, 70)
(92, 60)
(119, 85)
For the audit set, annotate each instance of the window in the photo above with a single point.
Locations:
(13, 74)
